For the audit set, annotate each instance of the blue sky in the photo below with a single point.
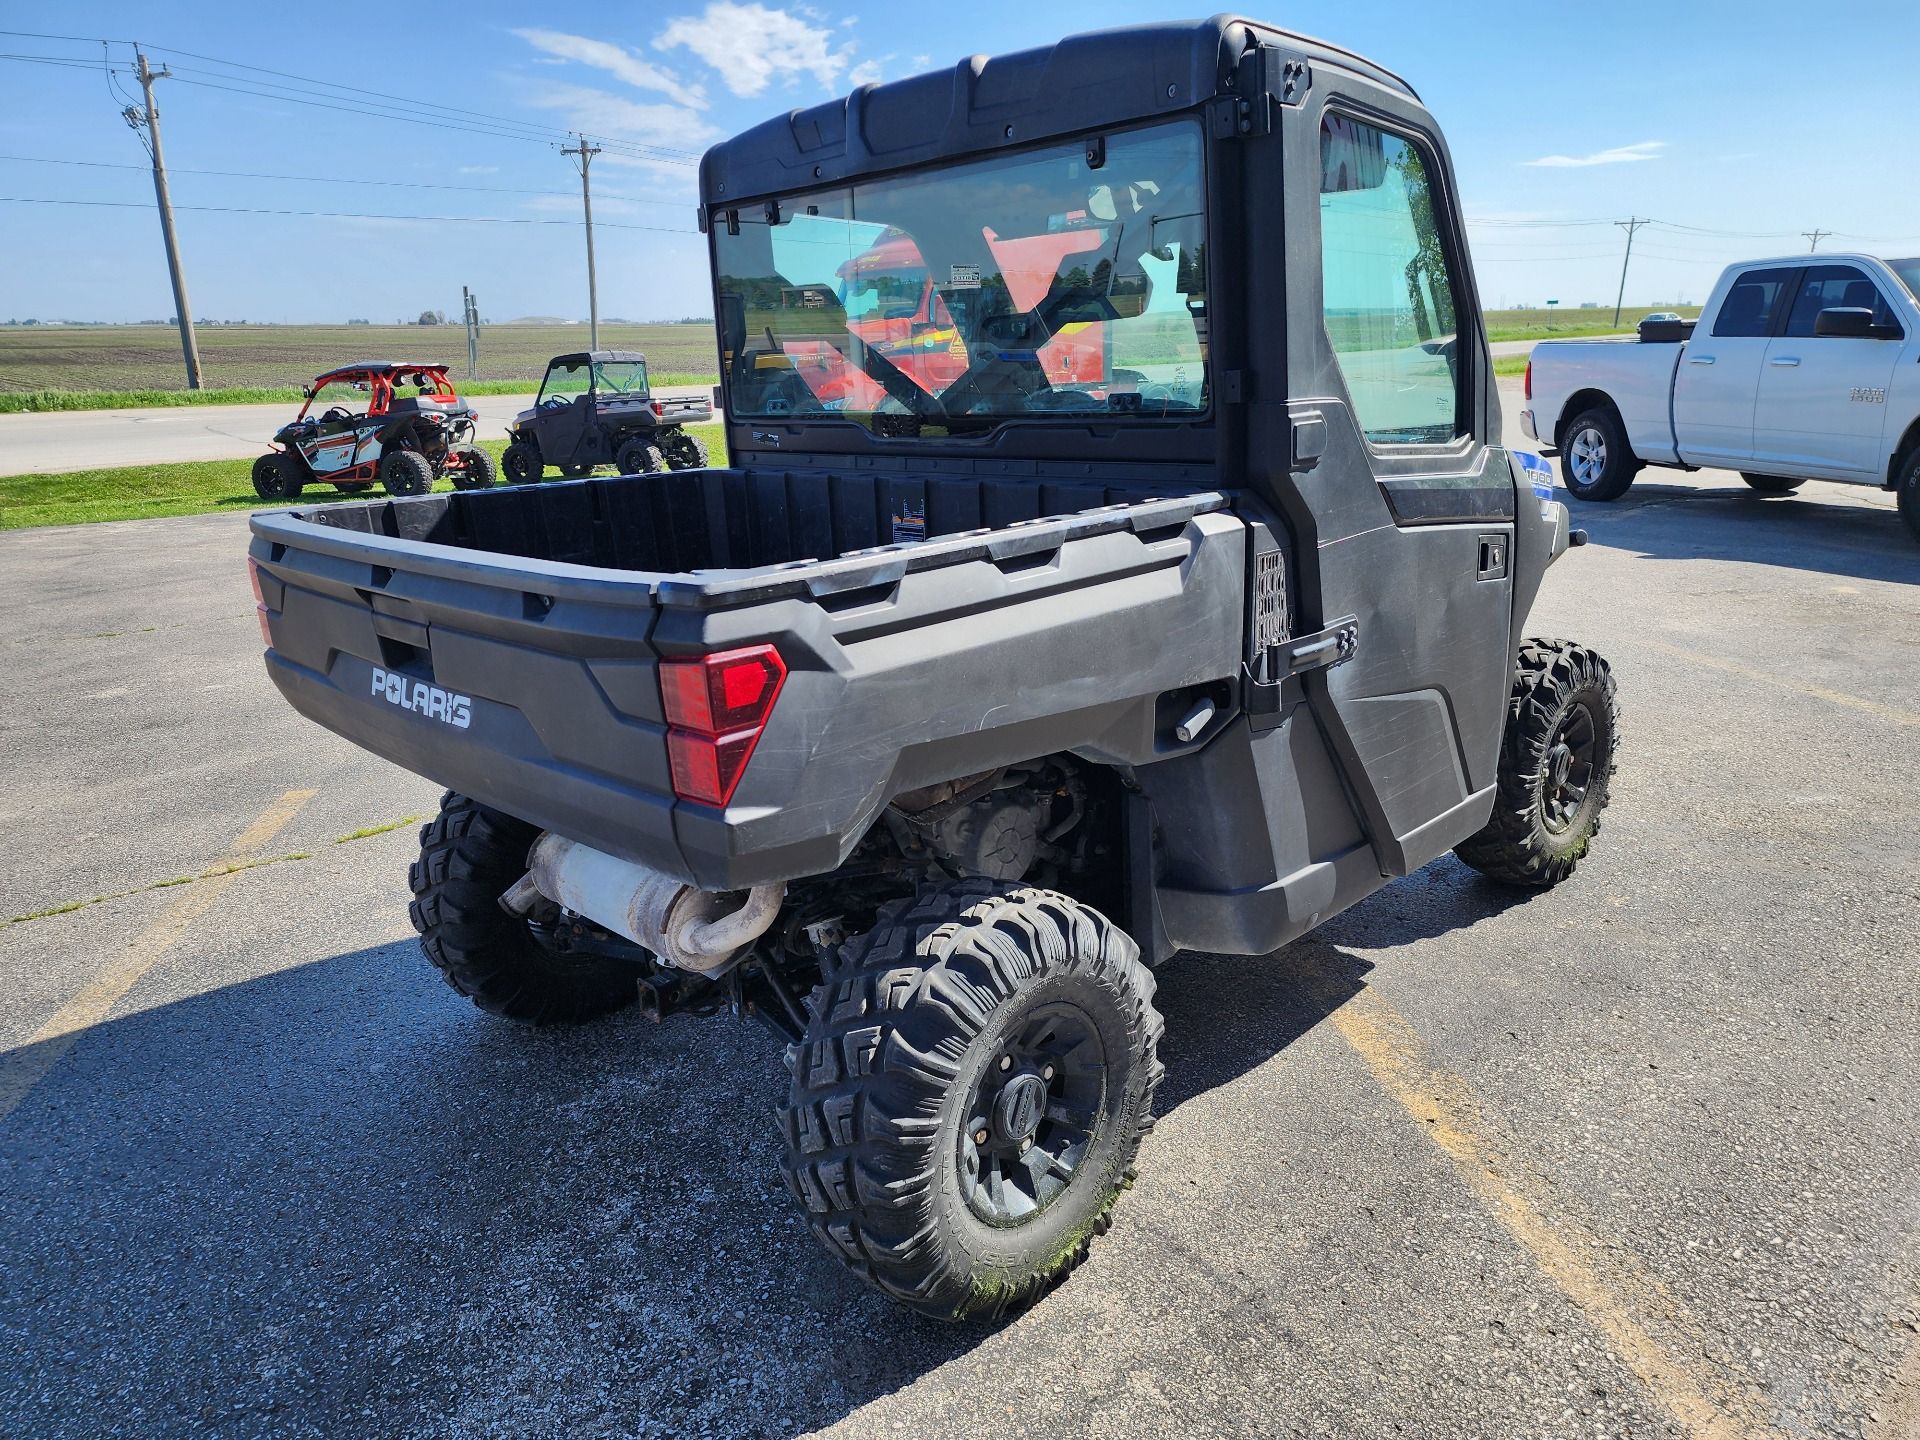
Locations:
(1706, 116)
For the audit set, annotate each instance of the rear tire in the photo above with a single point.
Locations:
(1556, 767)
(1907, 489)
(901, 1073)
(1596, 463)
(476, 470)
(406, 472)
(278, 476)
(469, 855)
(639, 457)
(683, 451)
(1772, 484)
(522, 463)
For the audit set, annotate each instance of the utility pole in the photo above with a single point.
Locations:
(1629, 226)
(586, 153)
(183, 308)
(1814, 237)
(470, 317)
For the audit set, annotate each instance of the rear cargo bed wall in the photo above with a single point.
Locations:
(721, 519)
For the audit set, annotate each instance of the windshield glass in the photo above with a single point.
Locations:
(609, 377)
(1909, 273)
(941, 303)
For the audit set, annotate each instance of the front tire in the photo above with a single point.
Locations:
(975, 1079)
(683, 451)
(1772, 484)
(278, 476)
(1596, 462)
(1907, 489)
(522, 463)
(475, 471)
(469, 855)
(1555, 770)
(406, 472)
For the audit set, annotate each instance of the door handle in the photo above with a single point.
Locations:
(1784, 360)
(1699, 359)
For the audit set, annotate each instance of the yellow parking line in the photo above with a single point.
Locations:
(1571, 1257)
(1784, 682)
(26, 1066)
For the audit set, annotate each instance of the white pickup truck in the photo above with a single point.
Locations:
(1801, 368)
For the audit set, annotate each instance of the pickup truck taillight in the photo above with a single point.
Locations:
(259, 601)
(716, 706)
(1526, 385)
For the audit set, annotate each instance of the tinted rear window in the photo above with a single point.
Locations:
(1750, 305)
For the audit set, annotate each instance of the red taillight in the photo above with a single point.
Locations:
(659, 410)
(716, 707)
(1527, 384)
(259, 601)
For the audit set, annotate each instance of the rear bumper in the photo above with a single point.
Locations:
(1526, 425)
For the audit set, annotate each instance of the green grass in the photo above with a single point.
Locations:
(1565, 324)
(122, 359)
(144, 492)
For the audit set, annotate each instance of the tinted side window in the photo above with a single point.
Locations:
(1387, 295)
(1750, 304)
(1827, 287)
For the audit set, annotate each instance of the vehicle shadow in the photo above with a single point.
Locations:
(1821, 528)
(336, 1199)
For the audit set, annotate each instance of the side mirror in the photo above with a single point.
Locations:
(1845, 322)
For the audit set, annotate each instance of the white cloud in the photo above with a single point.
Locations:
(617, 61)
(752, 45)
(867, 72)
(921, 62)
(599, 113)
(1619, 155)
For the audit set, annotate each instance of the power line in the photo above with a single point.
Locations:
(584, 153)
(1814, 237)
(333, 179)
(339, 214)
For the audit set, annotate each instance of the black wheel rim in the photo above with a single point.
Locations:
(1567, 772)
(1032, 1115)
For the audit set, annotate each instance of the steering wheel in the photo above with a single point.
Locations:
(336, 412)
(555, 402)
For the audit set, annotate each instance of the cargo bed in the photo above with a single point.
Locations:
(505, 642)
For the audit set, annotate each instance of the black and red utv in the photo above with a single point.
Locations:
(396, 422)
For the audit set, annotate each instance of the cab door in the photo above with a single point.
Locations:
(1409, 501)
(1822, 408)
(1718, 381)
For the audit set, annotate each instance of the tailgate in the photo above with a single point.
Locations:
(527, 684)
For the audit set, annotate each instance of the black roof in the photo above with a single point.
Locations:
(596, 357)
(1084, 82)
(387, 367)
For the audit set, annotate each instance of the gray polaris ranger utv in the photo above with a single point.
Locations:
(595, 407)
(1117, 557)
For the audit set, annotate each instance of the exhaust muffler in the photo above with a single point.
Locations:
(688, 928)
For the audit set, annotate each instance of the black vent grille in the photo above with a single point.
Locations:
(1269, 599)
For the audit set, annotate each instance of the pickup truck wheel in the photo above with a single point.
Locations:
(1772, 484)
(1595, 460)
(1907, 487)
(475, 471)
(639, 457)
(469, 855)
(1556, 765)
(684, 451)
(278, 476)
(976, 1076)
(521, 462)
(406, 472)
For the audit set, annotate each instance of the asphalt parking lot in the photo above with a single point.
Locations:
(1637, 1156)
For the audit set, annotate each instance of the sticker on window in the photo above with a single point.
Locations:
(965, 277)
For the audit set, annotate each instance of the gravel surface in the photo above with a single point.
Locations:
(288, 1183)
